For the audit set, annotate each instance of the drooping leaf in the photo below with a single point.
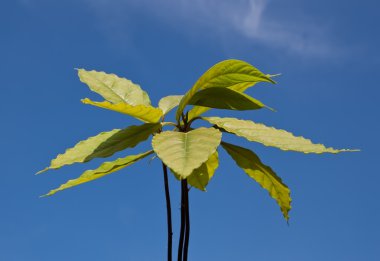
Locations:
(242, 87)
(224, 98)
(113, 88)
(196, 111)
(262, 174)
(104, 145)
(104, 169)
(184, 152)
(269, 136)
(228, 73)
(168, 103)
(201, 176)
(145, 113)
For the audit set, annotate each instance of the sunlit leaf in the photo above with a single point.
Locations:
(184, 152)
(224, 98)
(262, 174)
(104, 169)
(201, 176)
(113, 88)
(145, 113)
(104, 145)
(270, 136)
(167, 103)
(227, 73)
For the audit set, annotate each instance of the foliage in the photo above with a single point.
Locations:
(191, 154)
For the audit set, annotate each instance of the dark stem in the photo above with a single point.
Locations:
(168, 211)
(193, 119)
(183, 221)
(187, 231)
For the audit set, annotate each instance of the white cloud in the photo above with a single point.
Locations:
(296, 36)
(247, 18)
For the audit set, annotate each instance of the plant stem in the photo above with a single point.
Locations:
(187, 231)
(168, 211)
(183, 221)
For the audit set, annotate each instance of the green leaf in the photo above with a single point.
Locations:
(224, 98)
(269, 136)
(104, 169)
(228, 73)
(167, 103)
(113, 88)
(104, 145)
(196, 111)
(242, 87)
(145, 113)
(184, 152)
(201, 176)
(262, 174)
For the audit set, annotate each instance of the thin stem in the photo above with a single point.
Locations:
(193, 119)
(168, 211)
(187, 232)
(183, 221)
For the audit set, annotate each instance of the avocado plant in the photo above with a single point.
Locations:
(190, 153)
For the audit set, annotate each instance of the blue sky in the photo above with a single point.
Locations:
(328, 55)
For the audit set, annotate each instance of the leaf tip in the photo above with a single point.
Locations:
(274, 75)
(286, 216)
(270, 108)
(42, 171)
(85, 101)
(347, 150)
(270, 76)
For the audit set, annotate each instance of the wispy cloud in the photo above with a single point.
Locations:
(247, 18)
(296, 36)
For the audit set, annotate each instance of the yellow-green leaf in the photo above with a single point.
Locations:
(228, 73)
(113, 88)
(184, 152)
(270, 136)
(201, 176)
(198, 110)
(104, 169)
(145, 113)
(262, 174)
(167, 103)
(224, 98)
(104, 145)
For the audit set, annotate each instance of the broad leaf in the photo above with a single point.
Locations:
(262, 174)
(201, 176)
(184, 152)
(104, 145)
(167, 103)
(228, 73)
(224, 98)
(198, 110)
(113, 88)
(269, 136)
(145, 113)
(104, 169)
